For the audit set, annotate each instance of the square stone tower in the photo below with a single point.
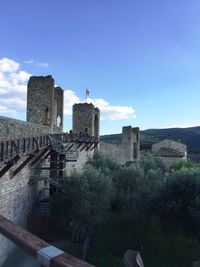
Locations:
(86, 119)
(44, 102)
(131, 139)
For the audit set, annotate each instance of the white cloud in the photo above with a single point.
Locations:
(13, 83)
(30, 61)
(35, 63)
(6, 110)
(43, 64)
(70, 99)
(108, 112)
(19, 77)
(8, 65)
(13, 88)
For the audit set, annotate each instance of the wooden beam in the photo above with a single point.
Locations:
(34, 245)
(79, 145)
(6, 168)
(39, 155)
(94, 145)
(8, 165)
(88, 147)
(84, 146)
(69, 147)
(22, 165)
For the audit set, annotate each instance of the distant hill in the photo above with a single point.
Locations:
(188, 136)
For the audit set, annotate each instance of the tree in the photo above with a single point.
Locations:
(184, 164)
(137, 187)
(104, 164)
(149, 162)
(84, 201)
(179, 202)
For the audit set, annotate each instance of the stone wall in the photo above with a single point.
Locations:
(83, 156)
(86, 118)
(128, 150)
(16, 194)
(16, 198)
(118, 152)
(15, 129)
(40, 97)
(169, 144)
(170, 151)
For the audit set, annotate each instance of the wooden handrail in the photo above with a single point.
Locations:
(33, 245)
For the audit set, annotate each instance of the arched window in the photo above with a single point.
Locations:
(96, 126)
(46, 122)
(58, 122)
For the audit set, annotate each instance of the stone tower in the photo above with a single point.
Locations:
(131, 139)
(44, 102)
(86, 119)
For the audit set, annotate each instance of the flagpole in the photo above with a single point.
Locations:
(87, 93)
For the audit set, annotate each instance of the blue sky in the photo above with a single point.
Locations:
(140, 59)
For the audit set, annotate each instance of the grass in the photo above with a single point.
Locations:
(160, 249)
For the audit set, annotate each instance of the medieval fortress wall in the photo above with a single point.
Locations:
(45, 116)
(128, 150)
(16, 198)
(15, 129)
(16, 193)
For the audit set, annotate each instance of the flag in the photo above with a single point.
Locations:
(87, 92)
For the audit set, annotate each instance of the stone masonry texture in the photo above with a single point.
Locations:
(86, 119)
(16, 198)
(128, 150)
(44, 102)
(16, 194)
(15, 129)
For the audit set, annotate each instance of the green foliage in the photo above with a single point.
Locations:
(149, 162)
(184, 164)
(159, 248)
(104, 164)
(85, 198)
(178, 203)
(137, 185)
(141, 191)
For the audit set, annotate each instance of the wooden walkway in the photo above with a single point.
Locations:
(34, 148)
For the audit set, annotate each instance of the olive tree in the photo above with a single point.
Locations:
(84, 201)
(179, 201)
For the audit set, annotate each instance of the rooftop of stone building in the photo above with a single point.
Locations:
(48, 77)
(84, 105)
